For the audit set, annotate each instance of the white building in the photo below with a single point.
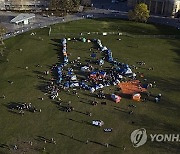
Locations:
(24, 4)
(23, 18)
(30, 4)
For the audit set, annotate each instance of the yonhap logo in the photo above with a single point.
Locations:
(139, 137)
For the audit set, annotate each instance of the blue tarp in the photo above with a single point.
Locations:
(93, 55)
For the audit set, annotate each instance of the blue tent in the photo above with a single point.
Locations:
(101, 62)
(102, 73)
(64, 41)
(66, 84)
(93, 55)
(70, 73)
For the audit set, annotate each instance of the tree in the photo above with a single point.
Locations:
(64, 5)
(67, 5)
(2, 32)
(76, 2)
(86, 2)
(53, 4)
(140, 13)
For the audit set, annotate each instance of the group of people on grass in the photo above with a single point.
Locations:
(23, 107)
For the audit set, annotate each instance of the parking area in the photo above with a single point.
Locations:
(118, 5)
(14, 29)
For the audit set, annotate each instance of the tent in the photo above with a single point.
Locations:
(64, 41)
(92, 90)
(74, 84)
(66, 85)
(93, 75)
(136, 97)
(116, 98)
(104, 48)
(101, 62)
(93, 55)
(128, 71)
(83, 39)
(102, 74)
(85, 69)
(73, 78)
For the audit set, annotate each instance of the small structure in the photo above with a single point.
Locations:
(116, 98)
(23, 18)
(136, 97)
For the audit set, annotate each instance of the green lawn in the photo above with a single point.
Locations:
(162, 54)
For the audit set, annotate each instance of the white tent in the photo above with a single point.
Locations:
(85, 69)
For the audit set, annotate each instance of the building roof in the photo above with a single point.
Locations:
(23, 16)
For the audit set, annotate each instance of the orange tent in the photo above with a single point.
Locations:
(131, 87)
(136, 97)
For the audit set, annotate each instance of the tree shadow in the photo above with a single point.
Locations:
(56, 41)
(5, 146)
(171, 147)
(142, 120)
(71, 137)
(175, 43)
(43, 139)
(38, 72)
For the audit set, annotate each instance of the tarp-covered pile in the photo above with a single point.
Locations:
(131, 87)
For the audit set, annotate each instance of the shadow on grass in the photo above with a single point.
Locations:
(175, 43)
(5, 146)
(124, 25)
(166, 147)
(42, 86)
(43, 139)
(169, 86)
(142, 120)
(80, 112)
(72, 137)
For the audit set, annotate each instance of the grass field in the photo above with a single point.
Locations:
(161, 53)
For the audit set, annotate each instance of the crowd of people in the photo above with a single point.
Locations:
(21, 108)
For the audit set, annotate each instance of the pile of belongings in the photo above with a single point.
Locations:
(97, 75)
(108, 129)
(98, 123)
(85, 69)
